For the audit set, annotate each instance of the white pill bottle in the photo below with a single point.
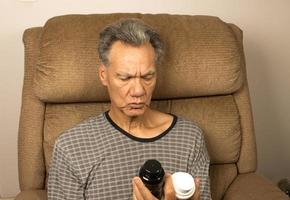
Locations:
(184, 185)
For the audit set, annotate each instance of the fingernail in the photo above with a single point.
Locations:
(136, 179)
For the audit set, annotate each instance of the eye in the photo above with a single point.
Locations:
(147, 77)
(124, 78)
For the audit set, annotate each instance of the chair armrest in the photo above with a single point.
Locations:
(32, 195)
(253, 187)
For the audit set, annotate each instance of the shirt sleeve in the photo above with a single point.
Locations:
(63, 183)
(200, 168)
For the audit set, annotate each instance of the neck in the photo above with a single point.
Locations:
(129, 123)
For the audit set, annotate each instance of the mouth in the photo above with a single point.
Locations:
(137, 105)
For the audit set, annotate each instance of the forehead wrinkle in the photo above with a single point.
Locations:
(126, 73)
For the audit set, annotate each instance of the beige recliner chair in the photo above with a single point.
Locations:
(201, 78)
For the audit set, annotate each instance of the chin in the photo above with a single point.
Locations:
(135, 112)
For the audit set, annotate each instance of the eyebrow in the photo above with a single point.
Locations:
(150, 72)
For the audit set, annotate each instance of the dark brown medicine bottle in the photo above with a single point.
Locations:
(152, 175)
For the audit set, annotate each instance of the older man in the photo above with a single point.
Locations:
(100, 157)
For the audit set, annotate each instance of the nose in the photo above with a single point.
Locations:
(137, 89)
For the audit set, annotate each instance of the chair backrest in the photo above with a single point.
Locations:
(201, 78)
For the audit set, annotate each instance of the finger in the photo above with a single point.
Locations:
(169, 193)
(196, 194)
(134, 197)
(141, 190)
(136, 193)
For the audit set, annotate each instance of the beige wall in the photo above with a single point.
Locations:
(266, 26)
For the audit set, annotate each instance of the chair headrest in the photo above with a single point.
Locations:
(203, 57)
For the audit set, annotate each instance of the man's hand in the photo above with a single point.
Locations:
(196, 195)
(141, 192)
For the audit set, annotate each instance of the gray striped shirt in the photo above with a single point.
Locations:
(97, 159)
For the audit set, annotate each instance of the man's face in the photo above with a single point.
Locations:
(130, 77)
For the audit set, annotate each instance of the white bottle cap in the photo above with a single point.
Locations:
(183, 184)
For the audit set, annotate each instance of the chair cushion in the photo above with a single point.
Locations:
(202, 57)
(32, 195)
(221, 177)
(253, 187)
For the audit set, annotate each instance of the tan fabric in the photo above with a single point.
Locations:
(206, 73)
(248, 155)
(221, 176)
(31, 162)
(32, 195)
(218, 118)
(196, 46)
(253, 187)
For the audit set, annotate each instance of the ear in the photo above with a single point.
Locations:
(103, 74)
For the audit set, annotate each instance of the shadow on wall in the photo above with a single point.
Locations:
(265, 110)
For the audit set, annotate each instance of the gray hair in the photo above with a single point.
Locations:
(130, 31)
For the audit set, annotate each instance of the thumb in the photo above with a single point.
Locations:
(196, 194)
